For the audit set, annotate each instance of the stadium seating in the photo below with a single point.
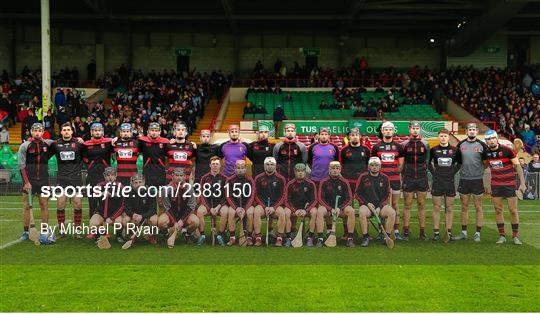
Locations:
(305, 105)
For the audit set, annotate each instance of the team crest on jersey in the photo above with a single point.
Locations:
(274, 184)
(500, 154)
(267, 148)
(450, 152)
(387, 147)
(264, 183)
(339, 187)
(368, 183)
(476, 150)
(422, 149)
(409, 149)
(381, 184)
(72, 145)
(349, 154)
(102, 145)
(44, 148)
(295, 151)
(394, 147)
(160, 145)
(305, 189)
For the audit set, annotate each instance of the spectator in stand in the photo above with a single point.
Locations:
(248, 109)
(279, 116)
(4, 134)
(48, 122)
(534, 164)
(59, 98)
(28, 121)
(528, 137)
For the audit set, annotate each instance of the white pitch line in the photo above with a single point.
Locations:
(5, 246)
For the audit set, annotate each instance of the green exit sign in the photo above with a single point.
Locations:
(311, 52)
(492, 49)
(183, 52)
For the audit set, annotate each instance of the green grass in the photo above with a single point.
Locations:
(73, 275)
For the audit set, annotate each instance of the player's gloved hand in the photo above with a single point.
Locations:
(269, 211)
(371, 206)
(240, 212)
(336, 211)
(194, 145)
(80, 140)
(178, 225)
(114, 140)
(109, 221)
(172, 140)
(301, 213)
(378, 211)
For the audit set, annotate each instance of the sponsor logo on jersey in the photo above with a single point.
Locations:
(496, 164)
(444, 161)
(125, 153)
(180, 156)
(67, 155)
(387, 157)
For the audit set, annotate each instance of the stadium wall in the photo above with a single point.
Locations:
(535, 50)
(493, 52)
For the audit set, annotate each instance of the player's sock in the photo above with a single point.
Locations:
(515, 230)
(396, 228)
(328, 226)
(501, 229)
(25, 228)
(61, 216)
(436, 231)
(77, 216)
(320, 235)
(464, 228)
(365, 235)
(201, 232)
(345, 231)
(289, 234)
(311, 234)
(406, 230)
(350, 235)
(422, 231)
(478, 229)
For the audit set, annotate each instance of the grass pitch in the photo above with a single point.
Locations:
(73, 275)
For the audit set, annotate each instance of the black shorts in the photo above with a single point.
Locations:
(65, 182)
(442, 188)
(155, 180)
(126, 181)
(415, 184)
(503, 191)
(395, 185)
(475, 186)
(37, 185)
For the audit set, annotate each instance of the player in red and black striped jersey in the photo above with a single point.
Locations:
(329, 188)
(269, 197)
(97, 153)
(154, 151)
(504, 164)
(415, 180)
(68, 151)
(301, 200)
(392, 160)
(215, 204)
(127, 152)
(179, 207)
(240, 198)
(180, 152)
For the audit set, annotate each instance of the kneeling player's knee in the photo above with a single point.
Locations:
(287, 212)
(250, 211)
(153, 220)
(201, 211)
(364, 211)
(321, 210)
(280, 212)
(313, 212)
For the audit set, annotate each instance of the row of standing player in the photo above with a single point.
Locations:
(408, 160)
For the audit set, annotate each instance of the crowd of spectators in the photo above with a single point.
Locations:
(164, 97)
(502, 96)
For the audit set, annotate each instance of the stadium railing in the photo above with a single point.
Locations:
(318, 82)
